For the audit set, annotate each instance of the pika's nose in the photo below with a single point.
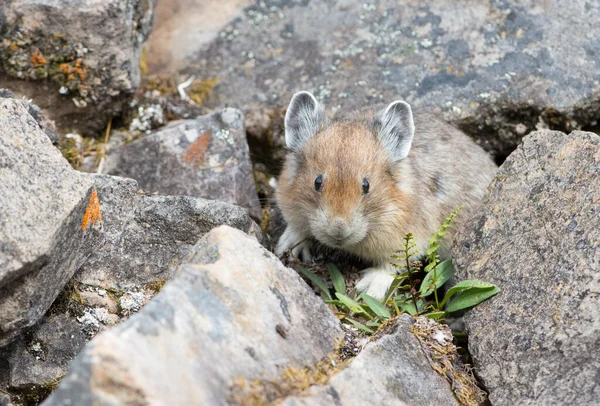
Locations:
(339, 229)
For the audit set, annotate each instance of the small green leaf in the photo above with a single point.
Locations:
(470, 297)
(336, 277)
(444, 272)
(466, 284)
(349, 303)
(373, 323)
(435, 315)
(408, 307)
(360, 326)
(377, 307)
(334, 302)
(317, 281)
(395, 283)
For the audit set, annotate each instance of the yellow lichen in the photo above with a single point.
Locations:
(155, 286)
(200, 89)
(291, 382)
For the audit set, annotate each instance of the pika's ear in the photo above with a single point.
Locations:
(395, 128)
(303, 119)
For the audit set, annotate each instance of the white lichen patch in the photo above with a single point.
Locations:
(132, 302)
(148, 117)
(223, 134)
(426, 43)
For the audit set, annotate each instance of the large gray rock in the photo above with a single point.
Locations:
(145, 237)
(79, 61)
(537, 237)
(207, 157)
(233, 311)
(495, 68)
(47, 233)
(42, 205)
(142, 241)
(393, 370)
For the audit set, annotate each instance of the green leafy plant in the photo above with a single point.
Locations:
(410, 291)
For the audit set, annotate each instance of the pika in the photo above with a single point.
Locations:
(361, 182)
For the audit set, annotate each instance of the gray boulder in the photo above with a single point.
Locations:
(497, 69)
(42, 206)
(393, 370)
(142, 240)
(207, 157)
(145, 237)
(78, 61)
(537, 237)
(232, 311)
(55, 221)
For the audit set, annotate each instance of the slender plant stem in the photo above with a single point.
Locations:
(396, 307)
(407, 256)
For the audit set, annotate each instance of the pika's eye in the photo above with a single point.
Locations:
(318, 183)
(365, 186)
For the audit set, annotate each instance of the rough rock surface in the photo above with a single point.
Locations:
(33, 364)
(234, 300)
(537, 237)
(42, 204)
(141, 242)
(176, 35)
(79, 61)
(43, 355)
(45, 124)
(393, 370)
(145, 237)
(207, 157)
(495, 68)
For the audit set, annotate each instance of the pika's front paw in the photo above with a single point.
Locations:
(299, 245)
(376, 281)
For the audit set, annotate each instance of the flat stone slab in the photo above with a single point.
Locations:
(495, 68)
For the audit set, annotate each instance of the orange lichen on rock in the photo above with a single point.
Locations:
(195, 153)
(73, 71)
(92, 213)
(37, 59)
(80, 69)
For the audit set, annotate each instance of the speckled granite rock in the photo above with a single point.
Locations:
(233, 311)
(42, 204)
(207, 157)
(537, 237)
(494, 68)
(391, 371)
(145, 237)
(79, 61)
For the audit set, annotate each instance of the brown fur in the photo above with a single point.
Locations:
(444, 170)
